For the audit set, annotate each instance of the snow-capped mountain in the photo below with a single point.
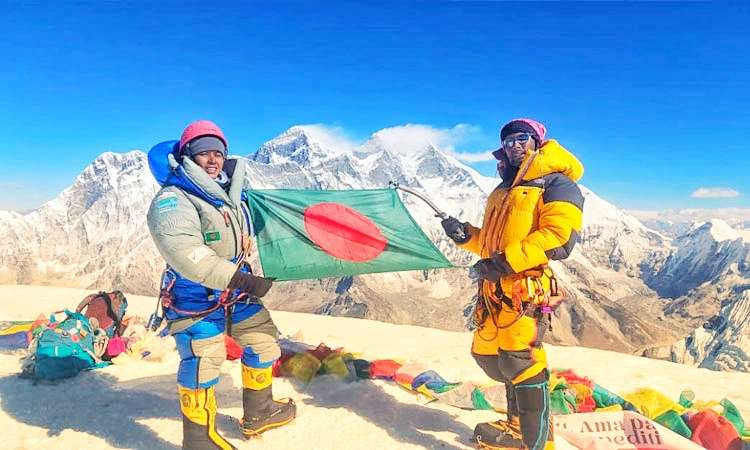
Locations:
(611, 237)
(94, 235)
(674, 223)
(708, 276)
(613, 307)
(704, 253)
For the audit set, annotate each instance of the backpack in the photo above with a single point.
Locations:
(62, 349)
(108, 309)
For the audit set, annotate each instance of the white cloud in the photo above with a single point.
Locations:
(330, 137)
(473, 157)
(412, 138)
(714, 192)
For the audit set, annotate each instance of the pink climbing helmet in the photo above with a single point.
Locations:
(201, 128)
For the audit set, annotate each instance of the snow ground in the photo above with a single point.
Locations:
(135, 405)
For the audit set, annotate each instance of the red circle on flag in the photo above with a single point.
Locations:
(344, 233)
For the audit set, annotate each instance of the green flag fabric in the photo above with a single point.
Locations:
(309, 234)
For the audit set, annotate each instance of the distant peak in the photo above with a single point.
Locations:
(295, 131)
(115, 156)
(293, 134)
(718, 229)
(305, 144)
(114, 163)
(722, 231)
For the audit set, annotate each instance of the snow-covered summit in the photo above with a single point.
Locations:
(717, 229)
(296, 144)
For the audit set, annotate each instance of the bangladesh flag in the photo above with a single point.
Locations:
(308, 234)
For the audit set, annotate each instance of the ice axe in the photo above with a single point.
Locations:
(438, 212)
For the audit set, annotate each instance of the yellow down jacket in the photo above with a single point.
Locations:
(542, 221)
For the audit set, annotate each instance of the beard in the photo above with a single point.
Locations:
(515, 156)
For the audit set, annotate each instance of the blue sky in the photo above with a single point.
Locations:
(653, 97)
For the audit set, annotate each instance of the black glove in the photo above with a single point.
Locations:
(250, 284)
(456, 230)
(493, 268)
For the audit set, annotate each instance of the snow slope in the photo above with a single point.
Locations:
(135, 406)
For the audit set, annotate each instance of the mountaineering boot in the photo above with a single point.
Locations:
(261, 411)
(499, 435)
(508, 430)
(533, 428)
(199, 420)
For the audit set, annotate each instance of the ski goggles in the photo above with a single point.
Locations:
(522, 138)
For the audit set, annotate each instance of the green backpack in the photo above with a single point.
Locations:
(62, 349)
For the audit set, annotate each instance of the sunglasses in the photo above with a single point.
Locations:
(522, 138)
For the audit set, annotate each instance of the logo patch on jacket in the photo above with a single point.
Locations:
(212, 236)
(165, 204)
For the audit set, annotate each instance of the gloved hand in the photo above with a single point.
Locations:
(250, 284)
(456, 230)
(492, 268)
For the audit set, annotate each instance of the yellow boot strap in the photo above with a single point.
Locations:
(256, 379)
(197, 404)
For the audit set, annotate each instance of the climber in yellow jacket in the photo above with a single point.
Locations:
(532, 217)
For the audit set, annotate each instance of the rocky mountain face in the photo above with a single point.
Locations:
(703, 254)
(707, 277)
(93, 235)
